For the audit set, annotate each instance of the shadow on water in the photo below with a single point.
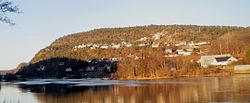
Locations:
(60, 88)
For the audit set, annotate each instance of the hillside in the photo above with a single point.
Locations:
(142, 51)
(235, 43)
(63, 47)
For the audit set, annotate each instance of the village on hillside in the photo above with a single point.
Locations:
(181, 48)
(174, 49)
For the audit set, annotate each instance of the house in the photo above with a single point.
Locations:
(95, 46)
(168, 51)
(155, 45)
(89, 44)
(202, 43)
(191, 43)
(68, 70)
(80, 46)
(170, 55)
(90, 68)
(142, 39)
(114, 59)
(182, 43)
(124, 43)
(104, 47)
(116, 46)
(128, 45)
(142, 45)
(41, 68)
(184, 52)
(216, 60)
(157, 36)
(92, 48)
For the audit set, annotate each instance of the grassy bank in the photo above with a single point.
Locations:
(180, 74)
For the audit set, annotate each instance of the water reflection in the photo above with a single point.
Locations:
(12, 94)
(60, 89)
(210, 89)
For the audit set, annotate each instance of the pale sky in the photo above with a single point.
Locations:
(43, 21)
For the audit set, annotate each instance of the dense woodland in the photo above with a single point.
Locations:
(147, 62)
(69, 68)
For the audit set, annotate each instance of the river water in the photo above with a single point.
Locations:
(183, 90)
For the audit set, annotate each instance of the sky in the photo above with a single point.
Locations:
(43, 21)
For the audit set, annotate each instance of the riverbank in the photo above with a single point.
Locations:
(241, 72)
(201, 72)
(184, 74)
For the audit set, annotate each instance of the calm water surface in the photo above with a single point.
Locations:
(185, 90)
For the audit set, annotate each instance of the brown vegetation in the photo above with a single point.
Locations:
(63, 46)
(146, 62)
(235, 43)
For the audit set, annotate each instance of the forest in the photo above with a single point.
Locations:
(69, 68)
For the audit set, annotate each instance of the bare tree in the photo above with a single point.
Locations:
(5, 8)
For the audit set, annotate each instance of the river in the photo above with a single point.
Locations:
(182, 90)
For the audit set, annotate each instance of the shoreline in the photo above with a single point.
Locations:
(184, 76)
(179, 74)
(189, 76)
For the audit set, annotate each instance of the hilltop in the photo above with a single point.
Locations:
(142, 51)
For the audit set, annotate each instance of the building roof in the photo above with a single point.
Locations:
(216, 56)
(208, 59)
(221, 59)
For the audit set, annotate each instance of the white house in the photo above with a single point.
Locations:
(96, 46)
(142, 45)
(223, 60)
(116, 46)
(157, 36)
(168, 51)
(216, 60)
(80, 46)
(181, 43)
(90, 68)
(191, 43)
(128, 45)
(104, 46)
(124, 43)
(89, 44)
(41, 68)
(68, 70)
(92, 48)
(142, 39)
(155, 45)
(184, 52)
(202, 43)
